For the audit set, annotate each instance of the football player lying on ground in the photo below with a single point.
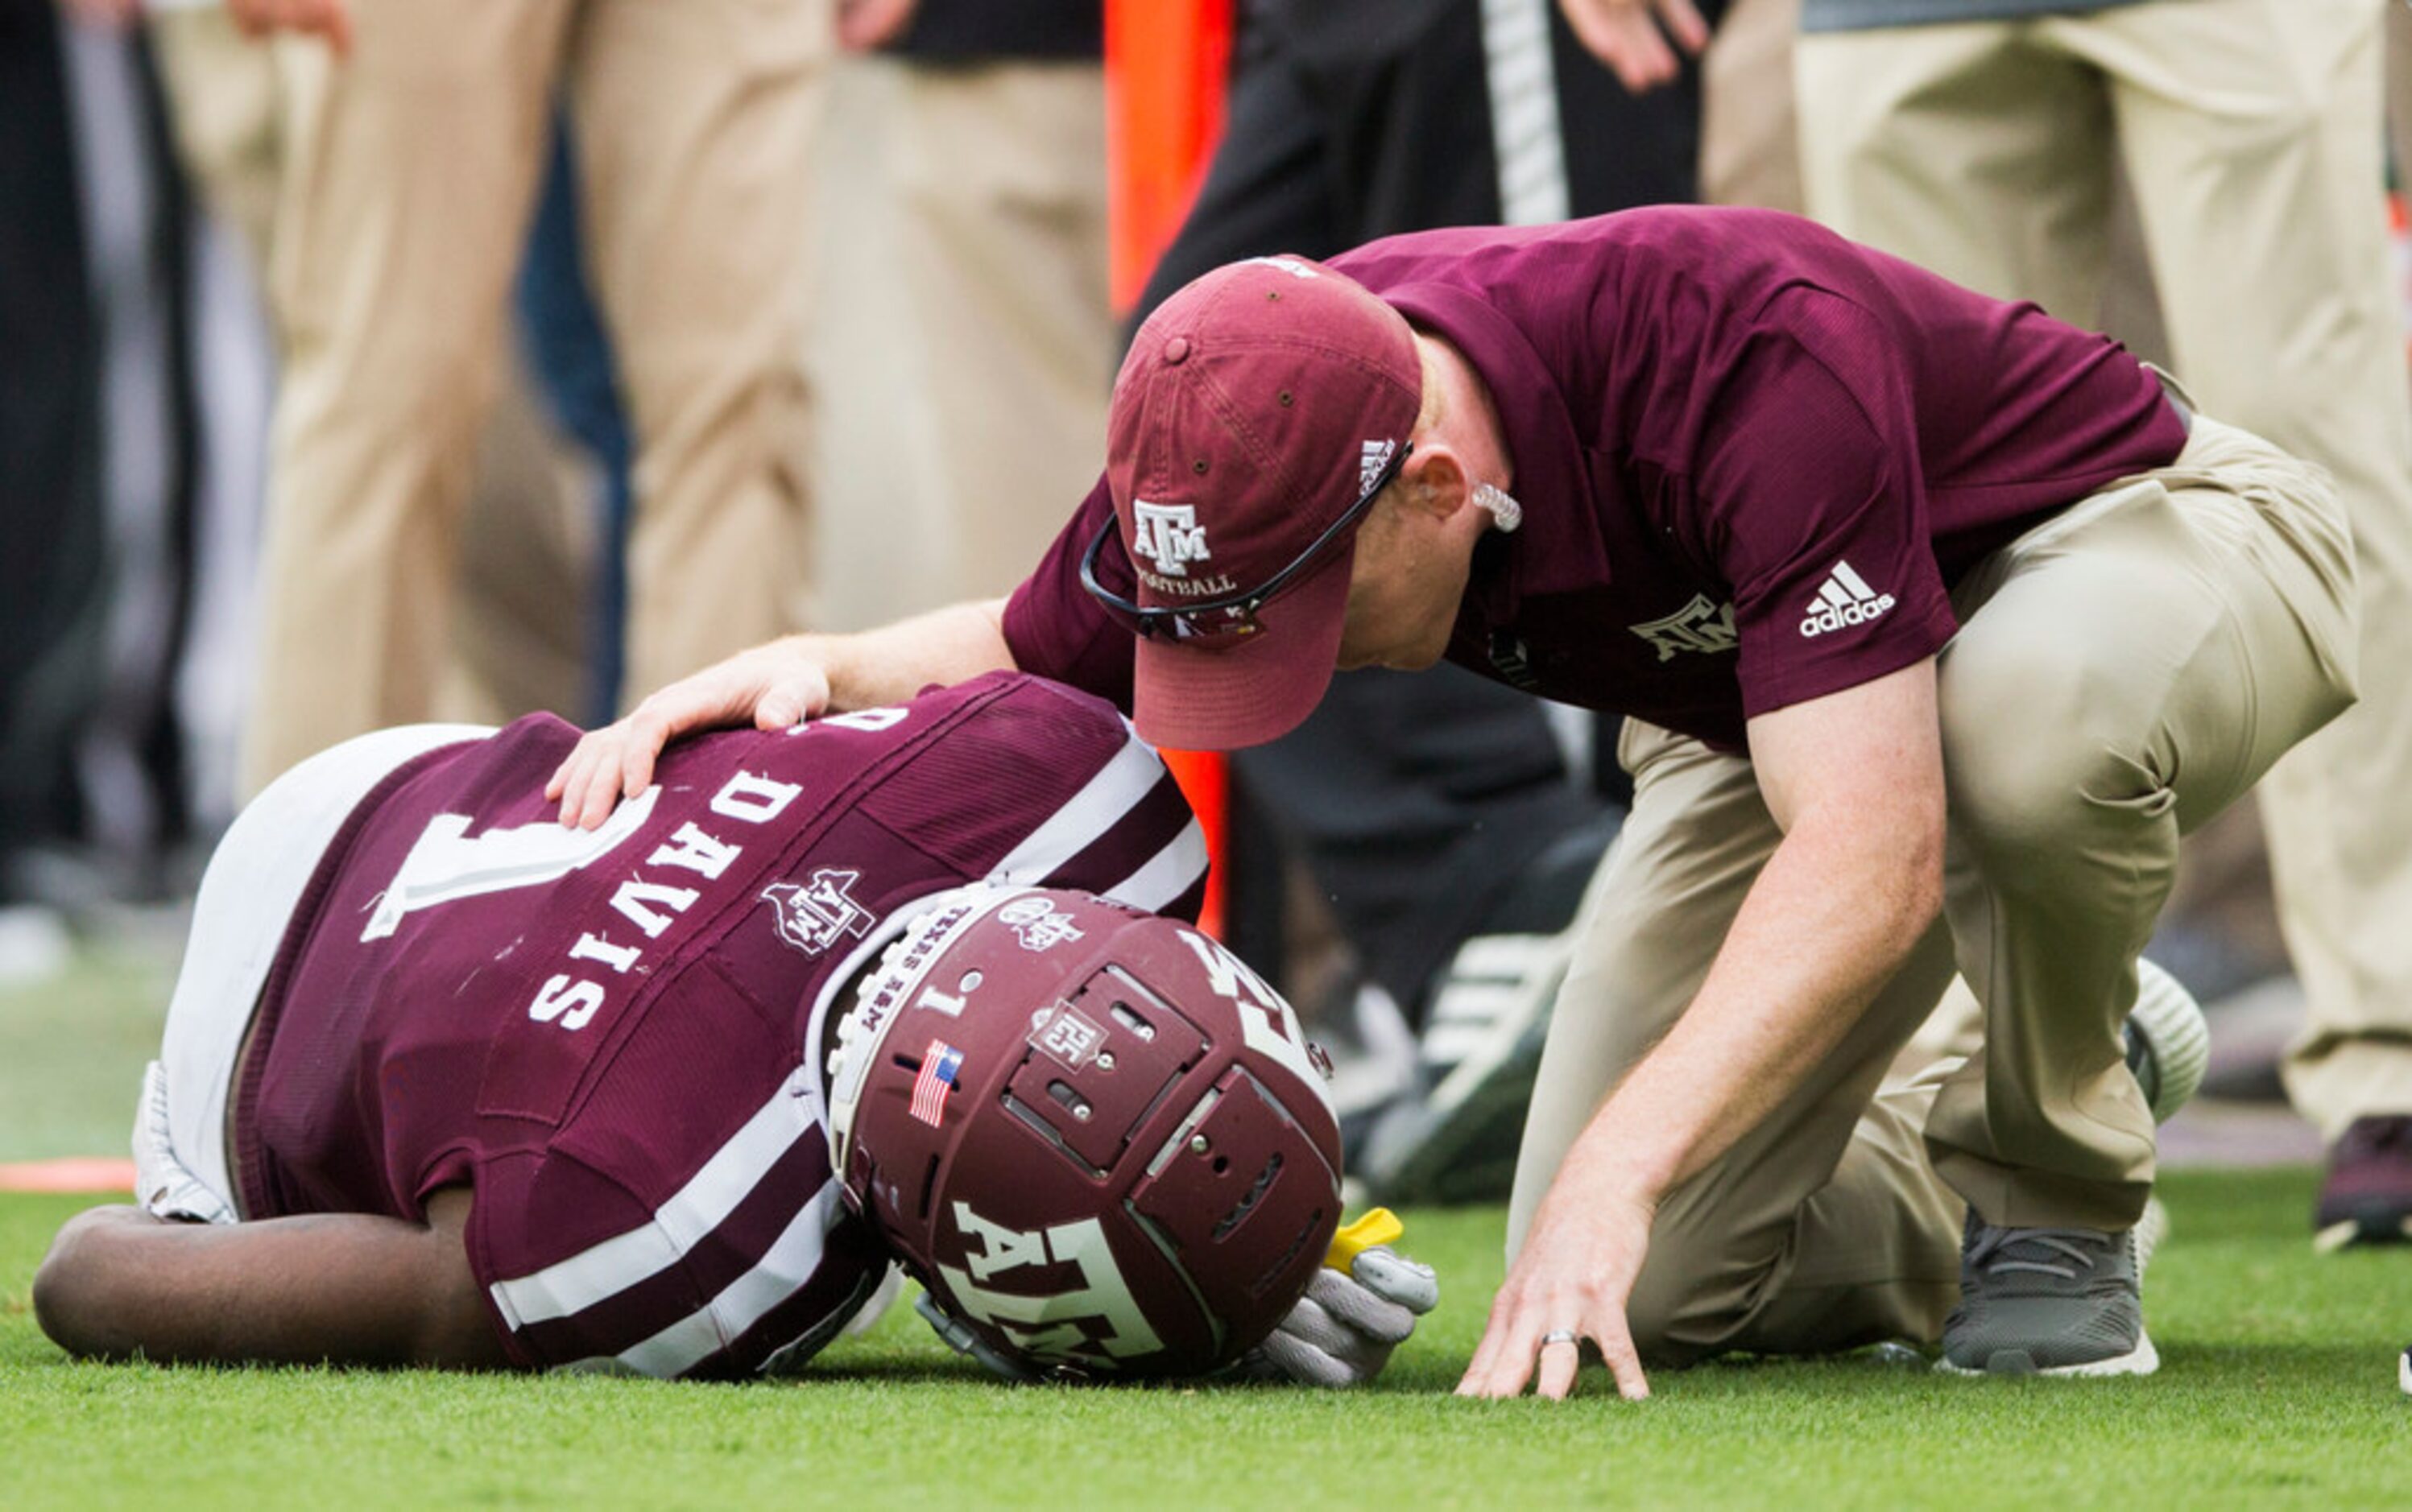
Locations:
(444, 1082)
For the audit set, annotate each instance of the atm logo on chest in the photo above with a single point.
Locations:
(1700, 626)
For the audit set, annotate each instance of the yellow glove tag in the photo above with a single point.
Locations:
(1379, 1225)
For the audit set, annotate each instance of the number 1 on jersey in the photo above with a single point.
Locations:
(446, 862)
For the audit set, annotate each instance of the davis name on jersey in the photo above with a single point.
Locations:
(603, 1032)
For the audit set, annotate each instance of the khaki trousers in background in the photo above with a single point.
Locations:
(1749, 149)
(410, 178)
(2122, 671)
(223, 106)
(519, 621)
(2250, 131)
(968, 336)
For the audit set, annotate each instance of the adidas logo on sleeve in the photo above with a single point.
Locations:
(1844, 601)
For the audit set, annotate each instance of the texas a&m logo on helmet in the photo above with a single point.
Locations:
(1134, 1168)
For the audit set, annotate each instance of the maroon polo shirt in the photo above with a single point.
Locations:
(1754, 458)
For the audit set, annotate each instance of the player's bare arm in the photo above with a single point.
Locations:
(349, 1289)
(775, 686)
(1855, 780)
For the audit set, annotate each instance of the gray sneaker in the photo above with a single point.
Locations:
(2069, 1302)
(2050, 1301)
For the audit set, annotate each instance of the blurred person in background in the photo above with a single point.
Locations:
(1978, 137)
(551, 452)
(965, 295)
(48, 435)
(97, 463)
(415, 138)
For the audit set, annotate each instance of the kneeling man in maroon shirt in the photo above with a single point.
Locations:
(1936, 622)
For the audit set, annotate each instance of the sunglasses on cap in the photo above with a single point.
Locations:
(1230, 616)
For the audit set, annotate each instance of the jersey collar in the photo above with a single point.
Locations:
(820, 1028)
(1551, 477)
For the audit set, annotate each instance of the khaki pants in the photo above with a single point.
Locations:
(1001, 176)
(1750, 153)
(969, 315)
(409, 175)
(2250, 131)
(222, 98)
(2122, 671)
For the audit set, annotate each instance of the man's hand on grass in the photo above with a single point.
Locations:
(1570, 1285)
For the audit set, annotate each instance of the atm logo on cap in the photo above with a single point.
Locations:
(1168, 535)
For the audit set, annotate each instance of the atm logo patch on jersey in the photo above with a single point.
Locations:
(1698, 625)
(819, 912)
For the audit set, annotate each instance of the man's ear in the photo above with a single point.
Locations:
(1434, 480)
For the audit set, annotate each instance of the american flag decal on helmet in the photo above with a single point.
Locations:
(939, 1066)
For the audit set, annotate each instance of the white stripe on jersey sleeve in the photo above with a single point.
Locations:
(783, 1272)
(1168, 874)
(1129, 777)
(705, 1202)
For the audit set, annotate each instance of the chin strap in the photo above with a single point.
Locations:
(962, 1341)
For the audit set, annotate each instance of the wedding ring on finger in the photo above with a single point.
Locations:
(1559, 1336)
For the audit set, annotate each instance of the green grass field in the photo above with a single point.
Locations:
(2277, 1389)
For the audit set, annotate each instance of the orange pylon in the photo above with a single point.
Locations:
(1167, 68)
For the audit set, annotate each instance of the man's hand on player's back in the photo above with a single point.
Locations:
(772, 687)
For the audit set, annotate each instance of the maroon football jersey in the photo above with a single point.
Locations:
(603, 1032)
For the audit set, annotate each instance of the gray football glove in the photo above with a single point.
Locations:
(1341, 1331)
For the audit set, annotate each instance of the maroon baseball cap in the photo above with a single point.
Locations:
(1256, 409)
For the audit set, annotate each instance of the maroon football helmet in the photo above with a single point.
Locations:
(1095, 1138)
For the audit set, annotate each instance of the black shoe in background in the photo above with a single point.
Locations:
(2367, 1198)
